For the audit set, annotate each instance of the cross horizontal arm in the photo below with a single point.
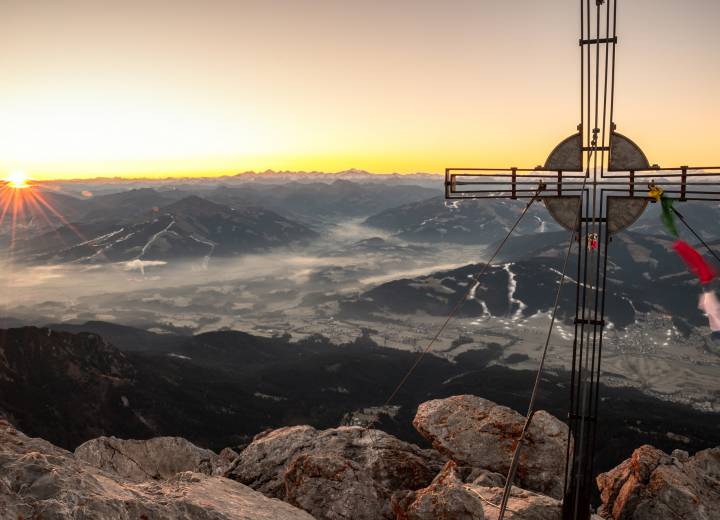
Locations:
(686, 182)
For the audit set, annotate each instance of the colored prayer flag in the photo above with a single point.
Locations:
(694, 261)
(710, 305)
(592, 241)
(667, 216)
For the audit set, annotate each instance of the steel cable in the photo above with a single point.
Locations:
(461, 302)
(682, 219)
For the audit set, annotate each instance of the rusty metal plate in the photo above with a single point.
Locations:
(622, 212)
(625, 155)
(566, 156)
(565, 210)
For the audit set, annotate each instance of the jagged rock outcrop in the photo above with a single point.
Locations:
(452, 497)
(341, 473)
(39, 480)
(476, 432)
(652, 484)
(157, 458)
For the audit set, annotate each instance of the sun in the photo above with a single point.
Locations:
(17, 180)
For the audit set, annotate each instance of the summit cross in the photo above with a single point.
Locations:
(594, 184)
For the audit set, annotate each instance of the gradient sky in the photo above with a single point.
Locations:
(176, 87)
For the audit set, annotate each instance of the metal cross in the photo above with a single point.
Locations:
(594, 183)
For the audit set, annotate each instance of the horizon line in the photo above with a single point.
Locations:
(268, 172)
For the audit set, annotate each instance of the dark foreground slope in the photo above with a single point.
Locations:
(219, 389)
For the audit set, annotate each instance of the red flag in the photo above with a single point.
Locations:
(694, 261)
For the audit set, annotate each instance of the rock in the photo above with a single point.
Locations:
(320, 484)
(486, 478)
(225, 460)
(39, 480)
(445, 498)
(652, 485)
(341, 473)
(139, 460)
(449, 498)
(522, 505)
(476, 432)
(681, 455)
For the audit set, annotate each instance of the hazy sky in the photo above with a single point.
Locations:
(106, 87)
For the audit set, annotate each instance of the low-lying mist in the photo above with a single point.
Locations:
(200, 294)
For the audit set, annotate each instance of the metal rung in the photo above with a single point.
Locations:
(595, 148)
(580, 321)
(591, 219)
(599, 40)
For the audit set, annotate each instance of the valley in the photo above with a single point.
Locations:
(150, 281)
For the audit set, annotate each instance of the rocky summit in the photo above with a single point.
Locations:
(346, 473)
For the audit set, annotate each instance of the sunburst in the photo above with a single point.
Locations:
(17, 180)
(22, 202)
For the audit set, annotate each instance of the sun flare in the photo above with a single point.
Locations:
(17, 180)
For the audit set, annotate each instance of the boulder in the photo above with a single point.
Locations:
(139, 460)
(476, 432)
(39, 480)
(341, 473)
(652, 484)
(449, 497)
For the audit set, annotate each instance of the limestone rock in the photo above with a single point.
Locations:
(320, 484)
(450, 498)
(476, 432)
(652, 484)
(445, 498)
(139, 460)
(341, 473)
(39, 480)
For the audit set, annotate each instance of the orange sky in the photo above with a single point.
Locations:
(180, 87)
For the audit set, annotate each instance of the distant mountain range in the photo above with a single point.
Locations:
(307, 200)
(194, 221)
(188, 228)
(319, 201)
(107, 185)
(487, 221)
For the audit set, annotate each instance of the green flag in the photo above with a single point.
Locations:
(667, 215)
